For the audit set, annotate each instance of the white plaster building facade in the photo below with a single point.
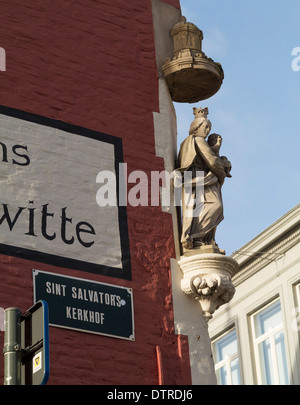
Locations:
(255, 337)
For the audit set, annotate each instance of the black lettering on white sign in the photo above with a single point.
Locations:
(48, 207)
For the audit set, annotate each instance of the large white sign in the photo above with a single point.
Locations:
(48, 207)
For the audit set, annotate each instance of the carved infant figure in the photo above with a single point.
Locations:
(215, 142)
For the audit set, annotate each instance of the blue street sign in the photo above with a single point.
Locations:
(86, 305)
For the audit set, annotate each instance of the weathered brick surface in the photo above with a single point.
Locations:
(92, 64)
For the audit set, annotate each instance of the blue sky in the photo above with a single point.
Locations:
(257, 109)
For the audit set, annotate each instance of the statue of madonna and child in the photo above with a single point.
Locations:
(199, 153)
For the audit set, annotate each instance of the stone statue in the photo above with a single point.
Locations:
(198, 155)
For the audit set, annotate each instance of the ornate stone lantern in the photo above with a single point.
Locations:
(191, 75)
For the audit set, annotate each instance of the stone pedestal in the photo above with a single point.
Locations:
(207, 278)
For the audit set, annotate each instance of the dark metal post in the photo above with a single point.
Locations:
(12, 347)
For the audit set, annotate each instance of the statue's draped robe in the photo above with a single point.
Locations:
(196, 155)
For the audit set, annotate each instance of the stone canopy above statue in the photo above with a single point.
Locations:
(191, 76)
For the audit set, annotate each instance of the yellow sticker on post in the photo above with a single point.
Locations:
(37, 362)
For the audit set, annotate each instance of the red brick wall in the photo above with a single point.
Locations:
(92, 64)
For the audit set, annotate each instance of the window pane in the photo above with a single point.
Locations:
(269, 341)
(222, 376)
(226, 359)
(267, 319)
(235, 372)
(281, 359)
(226, 346)
(266, 365)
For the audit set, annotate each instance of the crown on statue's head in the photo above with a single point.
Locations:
(200, 112)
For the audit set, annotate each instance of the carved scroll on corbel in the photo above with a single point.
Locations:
(207, 278)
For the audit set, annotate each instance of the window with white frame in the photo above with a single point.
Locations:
(227, 367)
(269, 345)
(296, 310)
(298, 293)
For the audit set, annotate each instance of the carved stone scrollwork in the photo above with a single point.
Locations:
(207, 278)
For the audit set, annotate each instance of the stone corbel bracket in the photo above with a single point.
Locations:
(207, 278)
